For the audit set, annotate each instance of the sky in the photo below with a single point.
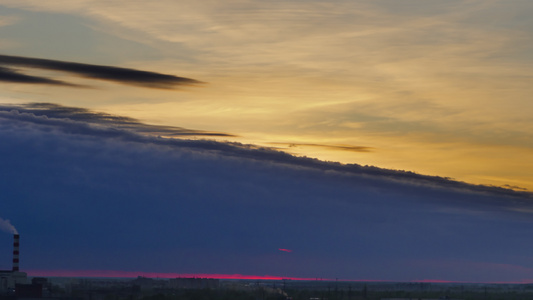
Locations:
(361, 136)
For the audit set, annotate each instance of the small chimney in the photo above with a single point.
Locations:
(16, 239)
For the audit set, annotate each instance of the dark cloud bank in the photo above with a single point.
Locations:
(86, 194)
(108, 73)
(84, 116)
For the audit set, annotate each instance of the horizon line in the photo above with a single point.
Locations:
(136, 274)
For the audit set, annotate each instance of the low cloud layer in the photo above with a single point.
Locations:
(90, 196)
(79, 120)
(82, 115)
(108, 73)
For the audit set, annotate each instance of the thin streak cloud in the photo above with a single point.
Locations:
(10, 75)
(328, 146)
(109, 73)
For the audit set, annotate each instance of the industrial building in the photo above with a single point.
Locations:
(11, 279)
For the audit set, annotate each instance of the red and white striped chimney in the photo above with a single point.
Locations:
(16, 239)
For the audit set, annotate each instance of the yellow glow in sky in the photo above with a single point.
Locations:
(436, 87)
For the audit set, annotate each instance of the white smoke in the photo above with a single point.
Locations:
(6, 225)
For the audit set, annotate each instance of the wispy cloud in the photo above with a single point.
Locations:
(285, 250)
(108, 73)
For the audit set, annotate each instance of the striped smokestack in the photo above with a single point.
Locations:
(16, 239)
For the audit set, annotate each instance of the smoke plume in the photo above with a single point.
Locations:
(6, 225)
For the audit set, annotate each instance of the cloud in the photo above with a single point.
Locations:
(108, 73)
(74, 120)
(327, 146)
(10, 75)
(149, 204)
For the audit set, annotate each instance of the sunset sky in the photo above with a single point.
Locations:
(94, 92)
(436, 87)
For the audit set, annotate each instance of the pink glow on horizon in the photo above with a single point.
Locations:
(133, 274)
